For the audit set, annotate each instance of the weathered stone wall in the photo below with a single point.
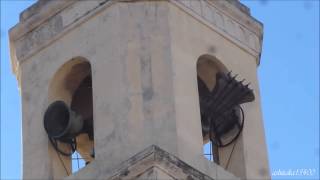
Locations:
(143, 57)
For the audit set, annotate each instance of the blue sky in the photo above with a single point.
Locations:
(288, 75)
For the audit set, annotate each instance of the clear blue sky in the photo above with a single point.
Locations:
(289, 83)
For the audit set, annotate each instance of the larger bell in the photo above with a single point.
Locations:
(61, 123)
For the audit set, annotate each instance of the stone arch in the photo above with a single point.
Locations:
(72, 83)
(67, 78)
(207, 68)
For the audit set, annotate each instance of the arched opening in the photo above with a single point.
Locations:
(220, 97)
(72, 84)
(207, 69)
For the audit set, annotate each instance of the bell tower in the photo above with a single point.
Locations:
(139, 88)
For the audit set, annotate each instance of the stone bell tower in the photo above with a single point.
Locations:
(131, 70)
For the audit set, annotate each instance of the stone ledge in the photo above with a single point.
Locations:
(240, 6)
(40, 4)
(36, 14)
(48, 20)
(244, 32)
(149, 160)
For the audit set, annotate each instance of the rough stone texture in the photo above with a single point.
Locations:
(247, 32)
(29, 36)
(151, 163)
(155, 173)
(143, 57)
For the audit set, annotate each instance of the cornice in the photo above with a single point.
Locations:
(47, 21)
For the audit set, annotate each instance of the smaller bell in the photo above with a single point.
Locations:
(61, 123)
